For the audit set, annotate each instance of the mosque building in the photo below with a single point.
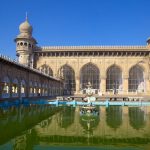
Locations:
(110, 69)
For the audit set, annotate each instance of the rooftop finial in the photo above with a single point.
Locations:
(26, 16)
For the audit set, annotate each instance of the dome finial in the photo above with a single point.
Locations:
(25, 27)
(26, 16)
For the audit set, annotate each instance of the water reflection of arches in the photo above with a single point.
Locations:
(17, 120)
(136, 117)
(136, 79)
(68, 75)
(66, 117)
(89, 121)
(114, 79)
(90, 73)
(114, 116)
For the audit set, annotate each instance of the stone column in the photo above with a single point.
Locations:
(125, 85)
(19, 90)
(77, 79)
(10, 89)
(103, 85)
(1, 89)
(77, 85)
(147, 85)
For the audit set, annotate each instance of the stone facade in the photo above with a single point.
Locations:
(18, 81)
(114, 69)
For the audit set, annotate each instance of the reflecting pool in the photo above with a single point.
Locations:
(47, 127)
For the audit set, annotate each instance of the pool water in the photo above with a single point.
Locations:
(38, 127)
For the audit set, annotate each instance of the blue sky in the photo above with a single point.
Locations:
(76, 22)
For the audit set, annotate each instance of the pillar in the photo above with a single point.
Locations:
(10, 89)
(125, 85)
(77, 81)
(1, 88)
(103, 85)
(147, 86)
(77, 86)
(147, 83)
(19, 90)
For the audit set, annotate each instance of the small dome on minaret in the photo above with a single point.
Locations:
(148, 41)
(25, 27)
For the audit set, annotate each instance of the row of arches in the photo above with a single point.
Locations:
(26, 44)
(15, 88)
(114, 118)
(46, 69)
(114, 78)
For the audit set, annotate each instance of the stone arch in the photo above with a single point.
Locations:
(94, 64)
(25, 44)
(114, 79)
(15, 87)
(67, 73)
(136, 79)
(39, 89)
(29, 45)
(5, 83)
(31, 88)
(46, 69)
(118, 66)
(90, 73)
(23, 87)
(35, 87)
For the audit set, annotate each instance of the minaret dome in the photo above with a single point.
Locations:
(25, 27)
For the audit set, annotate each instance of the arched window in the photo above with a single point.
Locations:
(89, 73)
(136, 79)
(31, 88)
(23, 88)
(114, 79)
(35, 88)
(15, 88)
(25, 44)
(68, 75)
(46, 69)
(5, 83)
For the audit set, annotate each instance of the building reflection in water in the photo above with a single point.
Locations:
(66, 117)
(114, 116)
(137, 117)
(29, 126)
(89, 121)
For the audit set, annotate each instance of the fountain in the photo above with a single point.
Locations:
(89, 109)
(89, 94)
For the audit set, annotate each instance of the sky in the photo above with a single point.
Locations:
(75, 22)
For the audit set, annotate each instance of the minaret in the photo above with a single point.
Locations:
(25, 44)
